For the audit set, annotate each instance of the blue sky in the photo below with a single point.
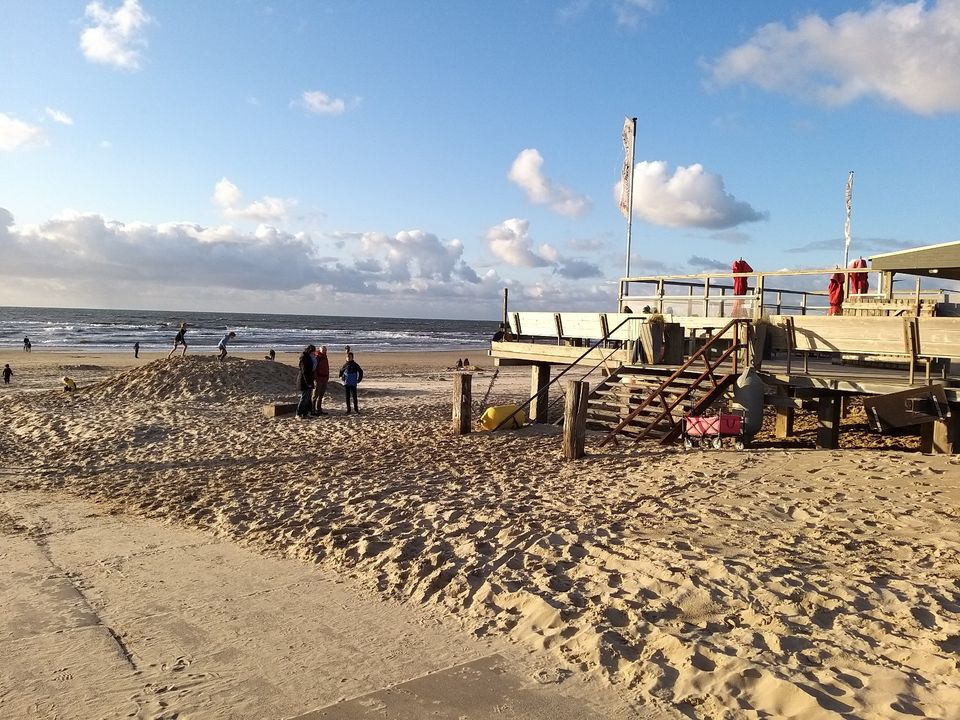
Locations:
(414, 158)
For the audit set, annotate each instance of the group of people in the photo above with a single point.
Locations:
(27, 345)
(181, 339)
(314, 374)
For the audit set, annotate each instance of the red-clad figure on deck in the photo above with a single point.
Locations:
(835, 292)
(859, 284)
(740, 284)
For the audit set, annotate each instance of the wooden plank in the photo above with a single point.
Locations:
(895, 410)
(537, 324)
(628, 331)
(274, 410)
(584, 326)
(518, 353)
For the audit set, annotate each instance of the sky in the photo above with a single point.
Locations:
(413, 159)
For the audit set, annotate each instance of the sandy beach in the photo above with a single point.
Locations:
(766, 583)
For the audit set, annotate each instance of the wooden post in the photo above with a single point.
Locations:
(575, 419)
(539, 378)
(942, 436)
(462, 403)
(505, 314)
(828, 416)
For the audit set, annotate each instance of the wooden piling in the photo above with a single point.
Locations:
(828, 415)
(462, 403)
(539, 379)
(575, 419)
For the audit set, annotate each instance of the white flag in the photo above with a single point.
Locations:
(626, 176)
(849, 202)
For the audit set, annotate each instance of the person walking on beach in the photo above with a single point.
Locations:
(321, 376)
(305, 381)
(179, 340)
(352, 375)
(136, 349)
(222, 346)
(26, 344)
(7, 372)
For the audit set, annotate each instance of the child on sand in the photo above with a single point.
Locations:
(178, 340)
(222, 347)
(7, 372)
(352, 375)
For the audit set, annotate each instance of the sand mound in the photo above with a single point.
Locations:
(199, 378)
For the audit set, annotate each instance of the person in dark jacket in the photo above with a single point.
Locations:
(305, 382)
(352, 375)
(321, 375)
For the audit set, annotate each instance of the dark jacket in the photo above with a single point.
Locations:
(354, 371)
(305, 375)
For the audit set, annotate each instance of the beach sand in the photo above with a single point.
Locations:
(766, 583)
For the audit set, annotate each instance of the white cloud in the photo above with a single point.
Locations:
(510, 241)
(320, 103)
(16, 134)
(526, 172)
(908, 54)
(269, 209)
(630, 12)
(691, 197)
(415, 254)
(58, 116)
(115, 37)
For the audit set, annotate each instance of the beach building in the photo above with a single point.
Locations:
(677, 345)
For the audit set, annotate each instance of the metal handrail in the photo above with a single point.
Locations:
(567, 369)
(702, 352)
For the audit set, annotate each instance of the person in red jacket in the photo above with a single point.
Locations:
(321, 376)
(835, 293)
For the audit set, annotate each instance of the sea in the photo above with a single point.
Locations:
(118, 330)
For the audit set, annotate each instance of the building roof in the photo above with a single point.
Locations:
(937, 261)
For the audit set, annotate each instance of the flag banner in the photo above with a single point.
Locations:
(849, 203)
(626, 176)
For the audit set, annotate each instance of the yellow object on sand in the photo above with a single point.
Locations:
(69, 384)
(495, 415)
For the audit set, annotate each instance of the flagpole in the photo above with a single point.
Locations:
(633, 154)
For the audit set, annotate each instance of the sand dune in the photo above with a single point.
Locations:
(768, 583)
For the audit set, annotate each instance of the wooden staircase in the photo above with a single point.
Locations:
(651, 401)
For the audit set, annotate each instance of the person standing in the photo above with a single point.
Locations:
(7, 372)
(305, 381)
(222, 346)
(321, 376)
(178, 340)
(136, 349)
(26, 344)
(352, 375)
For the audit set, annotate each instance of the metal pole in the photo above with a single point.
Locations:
(633, 155)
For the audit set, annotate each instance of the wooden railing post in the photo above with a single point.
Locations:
(575, 419)
(462, 402)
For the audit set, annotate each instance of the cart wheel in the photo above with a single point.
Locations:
(717, 442)
(688, 443)
(739, 444)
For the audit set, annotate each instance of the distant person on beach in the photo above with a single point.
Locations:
(272, 355)
(321, 376)
(7, 372)
(459, 364)
(26, 344)
(305, 381)
(222, 346)
(466, 362)
(136, 349)
(180, 339)
(69, 384)
(352, 375)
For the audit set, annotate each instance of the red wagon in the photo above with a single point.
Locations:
(709, 430)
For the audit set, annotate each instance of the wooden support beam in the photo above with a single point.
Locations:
(828, 417)
(784, 424)
(539, 379)
(942, 436)
(462, 403)
(575, 419)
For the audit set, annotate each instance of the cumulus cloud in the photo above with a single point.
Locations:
(906, 54)
(269, 209)
(527, 173)
(16, 134)
(511, 242)
(115, 37)
(319, 103)
(84, 250)
(58, 116)
(690, 197)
